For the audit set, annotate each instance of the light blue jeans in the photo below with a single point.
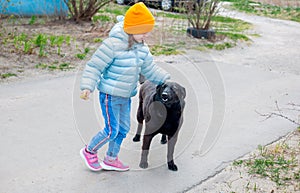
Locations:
(116, 113)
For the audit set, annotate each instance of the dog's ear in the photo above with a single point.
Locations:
(182, 92)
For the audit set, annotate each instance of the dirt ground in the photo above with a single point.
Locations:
(18, 65)
(24, 65)
(236, 178)
(82, 36)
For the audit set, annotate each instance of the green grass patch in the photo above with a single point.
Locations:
(235, 36)
(110, 12)
(41, 66)
(255, 35)
(223, 46)
(230, 24)
(232, 28)
(274, 163)
(223, 19)
(7, 75)
(114, 9)
(209, 46)
(97, 40)
(82, 55)
(65, 66)
(54, 66)
(32, 20)
(201, 48)
(39, 44)
(217, 46)
(102, 18)
(166, 49)
(288, 13)
(171, 15)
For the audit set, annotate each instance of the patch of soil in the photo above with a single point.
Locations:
(18, 63)
(236, 178)
(84, 38)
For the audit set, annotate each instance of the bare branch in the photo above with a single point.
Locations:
(267, 116)
(279, 113)
(69, 7)
(84, 10)
(293, 104)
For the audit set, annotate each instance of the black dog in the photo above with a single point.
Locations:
(161, 107)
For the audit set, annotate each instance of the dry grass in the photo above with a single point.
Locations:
(282, 3)
(280, 176)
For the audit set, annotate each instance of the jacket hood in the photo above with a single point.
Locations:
(117, 31)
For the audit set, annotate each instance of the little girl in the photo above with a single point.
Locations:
(115, 68)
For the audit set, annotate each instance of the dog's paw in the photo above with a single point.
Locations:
(136, 138)
(144, 165)
(172, 166)
(163, 141)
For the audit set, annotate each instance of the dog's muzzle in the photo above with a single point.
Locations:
(164, 96)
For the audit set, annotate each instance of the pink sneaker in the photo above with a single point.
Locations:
(116, 165)
(90, 160)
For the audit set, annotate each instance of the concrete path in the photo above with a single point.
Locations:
(44, 123)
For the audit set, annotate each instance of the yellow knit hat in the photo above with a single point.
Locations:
(138, 19)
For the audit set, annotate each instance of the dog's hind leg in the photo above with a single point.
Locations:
(171, 146)
(145, 151)
(140, 119)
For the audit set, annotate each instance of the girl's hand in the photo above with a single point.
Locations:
(85, 94)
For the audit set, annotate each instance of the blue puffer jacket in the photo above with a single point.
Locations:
(116, 70)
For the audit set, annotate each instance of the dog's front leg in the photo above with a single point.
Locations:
(145, 151)
(163, 139)
(138, 132)
(171, 146)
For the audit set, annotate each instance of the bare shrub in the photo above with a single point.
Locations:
(84, 10)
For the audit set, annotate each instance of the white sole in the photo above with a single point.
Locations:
(86, 163)
(111, 168)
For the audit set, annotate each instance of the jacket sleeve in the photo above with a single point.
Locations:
(100, 60)
(152, 72)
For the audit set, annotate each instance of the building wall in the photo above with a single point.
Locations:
(33, 7)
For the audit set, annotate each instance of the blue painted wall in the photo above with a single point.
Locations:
(33, 7)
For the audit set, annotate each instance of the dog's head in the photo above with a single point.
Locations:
(171, 93)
